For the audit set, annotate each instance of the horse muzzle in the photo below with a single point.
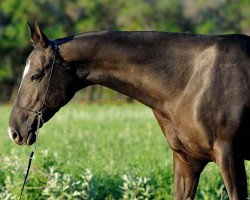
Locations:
(18, 139)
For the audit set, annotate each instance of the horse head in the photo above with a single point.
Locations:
(47, 84)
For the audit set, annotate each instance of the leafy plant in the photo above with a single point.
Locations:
(5, 194)
(64, 186)
(136, 188)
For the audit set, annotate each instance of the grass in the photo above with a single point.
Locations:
(111, 141)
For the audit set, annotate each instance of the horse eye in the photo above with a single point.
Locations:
(37, 77)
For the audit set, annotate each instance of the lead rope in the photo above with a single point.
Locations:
(40, 120)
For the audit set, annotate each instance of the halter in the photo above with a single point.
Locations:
(39, 114)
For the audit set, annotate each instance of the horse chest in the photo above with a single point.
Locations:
(183, 136)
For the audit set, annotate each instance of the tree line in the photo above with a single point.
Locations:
(60, 18)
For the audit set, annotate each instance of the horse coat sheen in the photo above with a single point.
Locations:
(196, 85)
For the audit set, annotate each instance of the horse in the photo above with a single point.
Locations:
(196, 85)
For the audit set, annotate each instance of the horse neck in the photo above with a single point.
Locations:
(129, 63)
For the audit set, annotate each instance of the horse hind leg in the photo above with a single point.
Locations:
(186, 176)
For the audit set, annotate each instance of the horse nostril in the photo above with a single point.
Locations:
(15, 135)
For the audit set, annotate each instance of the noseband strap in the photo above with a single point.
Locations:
(23, 108)
(39, 115)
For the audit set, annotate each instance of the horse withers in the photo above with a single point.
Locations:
(197, 86)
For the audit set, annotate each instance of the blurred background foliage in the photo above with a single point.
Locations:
(60, 18)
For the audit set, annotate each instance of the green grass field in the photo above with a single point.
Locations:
(110, 141)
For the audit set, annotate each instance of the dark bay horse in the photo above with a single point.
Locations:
(197, 86)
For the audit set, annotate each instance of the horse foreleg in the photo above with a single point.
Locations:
(186, 176)
(233, 171)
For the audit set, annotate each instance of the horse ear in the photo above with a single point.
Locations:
(37, 35)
